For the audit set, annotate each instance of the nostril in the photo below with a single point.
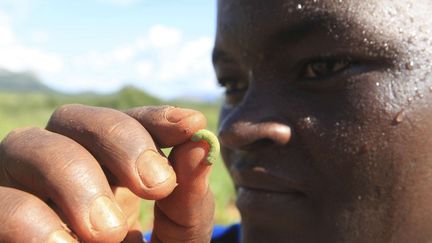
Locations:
(263, 143)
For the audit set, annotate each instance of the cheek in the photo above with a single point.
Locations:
(367, 143)
(350, 143)
(347, 155)
(227, 156)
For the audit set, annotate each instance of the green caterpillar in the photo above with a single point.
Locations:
(212, 140)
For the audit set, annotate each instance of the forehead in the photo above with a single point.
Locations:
(394, 21)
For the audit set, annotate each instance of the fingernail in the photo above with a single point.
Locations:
(153, 169)
(175, 115)
(61, 236)
(105, 214)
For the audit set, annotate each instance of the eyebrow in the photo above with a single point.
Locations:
(296, 32)
(287, 35)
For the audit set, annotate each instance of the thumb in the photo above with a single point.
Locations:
(187, 213)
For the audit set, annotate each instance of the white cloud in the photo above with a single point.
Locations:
(39, 36)
(18, 57)
(7, 37)
(144, 69)
(186, 72)
(101, 60)
(18, 8)
(161, 62)
(161, 36)
(119, 2)
(191, 59)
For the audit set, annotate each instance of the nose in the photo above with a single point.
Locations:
(244, 128)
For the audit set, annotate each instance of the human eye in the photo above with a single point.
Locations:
(332, 72)
(235, 89)
(324, 68)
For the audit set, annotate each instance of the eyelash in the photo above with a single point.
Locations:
(333, 65)
(233, 85)
(235, 88)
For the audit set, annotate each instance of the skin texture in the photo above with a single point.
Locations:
(326, 123)
(325, 130)
(82, 178)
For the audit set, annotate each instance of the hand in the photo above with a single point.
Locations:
(83, 176)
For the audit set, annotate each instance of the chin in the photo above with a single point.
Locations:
(276, 217)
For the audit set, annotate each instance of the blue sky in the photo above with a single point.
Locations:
(162, 46)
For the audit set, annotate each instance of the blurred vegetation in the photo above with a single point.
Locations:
(20, 107)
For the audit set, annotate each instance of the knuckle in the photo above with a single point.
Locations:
(157, 109)
(162, 108)
(18, 133)
(16, 139)
(123, 126)
(144, 112)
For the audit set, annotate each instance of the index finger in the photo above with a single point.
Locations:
(120, 144)
(169, 125)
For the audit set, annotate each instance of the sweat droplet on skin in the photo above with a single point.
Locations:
(398, 119)
(306, 122)
(409, 65)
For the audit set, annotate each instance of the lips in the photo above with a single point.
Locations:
(263, 195)
(265, 180)
(270, 193)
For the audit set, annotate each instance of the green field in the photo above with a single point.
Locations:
(34, 109)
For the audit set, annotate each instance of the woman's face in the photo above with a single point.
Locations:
(327, 123)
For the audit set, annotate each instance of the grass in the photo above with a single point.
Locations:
(34, 109)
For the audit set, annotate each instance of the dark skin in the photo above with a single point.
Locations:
(325, 130)
(83, 176)
(326, 124)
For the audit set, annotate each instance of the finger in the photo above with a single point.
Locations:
(56, 168)
(129, 203)
(135, 234)
(168, 125)
(187, 214)
(25, 218)
(119, 143)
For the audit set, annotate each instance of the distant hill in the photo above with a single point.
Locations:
(129, 96)
(21, 82)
